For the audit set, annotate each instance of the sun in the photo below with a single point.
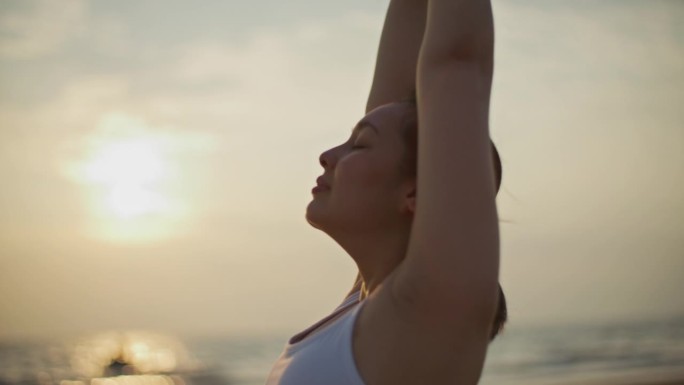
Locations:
(130, 172)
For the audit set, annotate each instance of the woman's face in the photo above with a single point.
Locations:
(367, 189)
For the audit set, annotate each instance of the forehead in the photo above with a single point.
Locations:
(385, 117)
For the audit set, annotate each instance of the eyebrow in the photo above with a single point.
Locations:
(365, 123)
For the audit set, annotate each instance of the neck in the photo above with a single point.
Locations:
(376, 256)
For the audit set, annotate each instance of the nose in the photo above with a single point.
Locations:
(326, 158)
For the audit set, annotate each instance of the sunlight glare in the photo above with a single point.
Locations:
(129, 169)
(132, 173)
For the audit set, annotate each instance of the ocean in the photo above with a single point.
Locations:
(640, 352)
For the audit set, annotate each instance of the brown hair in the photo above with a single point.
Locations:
(409, 168)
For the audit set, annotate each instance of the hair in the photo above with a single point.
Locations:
(410, 167)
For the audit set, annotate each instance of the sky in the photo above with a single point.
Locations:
(157, 158)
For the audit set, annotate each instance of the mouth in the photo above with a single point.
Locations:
(320, 187)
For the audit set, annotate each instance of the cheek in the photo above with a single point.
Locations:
(364, 182)
(357, 171)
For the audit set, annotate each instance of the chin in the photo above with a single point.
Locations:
(317, 215)
(311, 216)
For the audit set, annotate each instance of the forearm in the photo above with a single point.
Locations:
(395, 69)
(461, 30)
(458, 46)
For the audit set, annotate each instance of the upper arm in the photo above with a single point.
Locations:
(394, 78)
(431, 319)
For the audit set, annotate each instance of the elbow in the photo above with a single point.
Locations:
(476, 52)
(461, 31)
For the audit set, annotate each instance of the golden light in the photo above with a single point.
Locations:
(130, 357)
(129, 170)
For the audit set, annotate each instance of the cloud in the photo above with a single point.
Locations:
(285, 68)
(40, 27)
(584, 112)
(599, 105)
(587, 119)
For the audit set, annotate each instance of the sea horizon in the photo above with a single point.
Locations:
(614, 352)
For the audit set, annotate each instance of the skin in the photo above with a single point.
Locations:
(369, 208)
(429, 262)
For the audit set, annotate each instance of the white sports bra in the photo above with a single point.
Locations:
(325, 356)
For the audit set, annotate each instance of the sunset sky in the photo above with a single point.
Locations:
(156, 159)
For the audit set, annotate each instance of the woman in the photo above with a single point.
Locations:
(411, 198)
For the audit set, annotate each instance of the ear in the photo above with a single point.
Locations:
(409, 201)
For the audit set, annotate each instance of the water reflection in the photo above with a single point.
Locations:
(126, 353)
(130, 380)
(116, 358)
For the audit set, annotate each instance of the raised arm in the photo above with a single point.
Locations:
(394, 78)
(430, 321)
(454, 241)
(395, 68)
